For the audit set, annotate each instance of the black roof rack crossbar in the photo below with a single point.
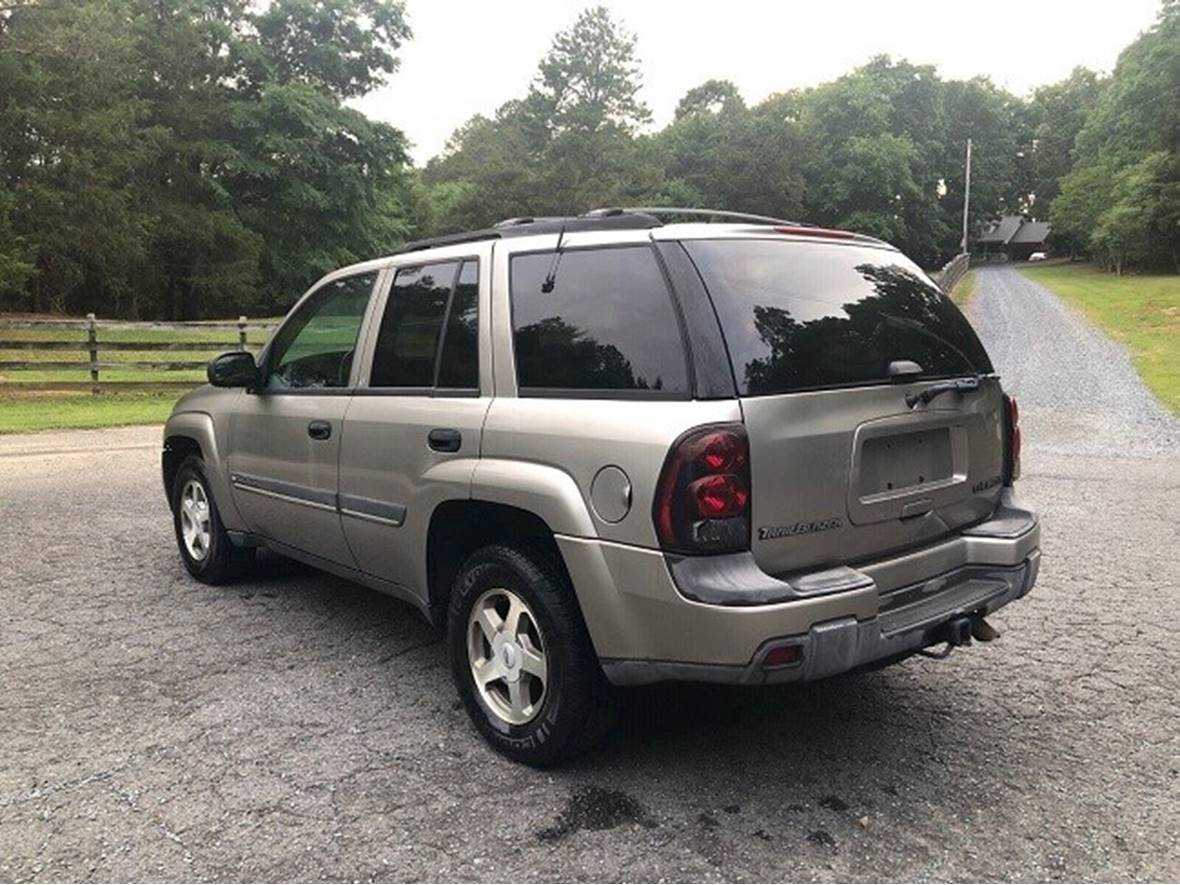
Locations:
(696, 213)
(471, 236)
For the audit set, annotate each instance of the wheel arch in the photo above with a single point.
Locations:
(193, 433)
(459, 527)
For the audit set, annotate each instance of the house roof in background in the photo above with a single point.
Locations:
(1031, 232)
(1003, 230)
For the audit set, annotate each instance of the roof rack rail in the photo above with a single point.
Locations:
(471, 236)
(607, 218)
(543, 224)
(688, 210)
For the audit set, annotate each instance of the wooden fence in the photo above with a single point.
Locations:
(91, 341)
(953, 271)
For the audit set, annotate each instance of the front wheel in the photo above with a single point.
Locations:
(205, 548)
(522, 659)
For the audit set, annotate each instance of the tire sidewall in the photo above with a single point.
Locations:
(193, 469)
(547, 730)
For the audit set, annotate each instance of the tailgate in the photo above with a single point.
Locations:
(844, 475)
(825, 339)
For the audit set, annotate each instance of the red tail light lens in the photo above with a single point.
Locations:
(1013, 442)
(722, 451)
(720, 496)
(702, 503)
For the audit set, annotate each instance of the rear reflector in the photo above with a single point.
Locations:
(783, 655)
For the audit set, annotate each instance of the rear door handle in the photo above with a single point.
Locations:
(319, 429)
(443, 439)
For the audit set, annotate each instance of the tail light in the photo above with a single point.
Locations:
(702, 502)
(1012, 441)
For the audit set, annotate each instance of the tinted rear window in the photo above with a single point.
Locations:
(608, 324)
(801, 316)
(407, 342)
(459, 363)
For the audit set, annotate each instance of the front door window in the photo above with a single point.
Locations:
(315, 347)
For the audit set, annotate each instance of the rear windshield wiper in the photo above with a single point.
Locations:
(960, 385)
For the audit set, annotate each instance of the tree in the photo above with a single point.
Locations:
(192, 157)
(590, 79)
(567, 146)
(70, 146)
(1083, 195)
(342, 47)
(876, 155)
(1000, 185)
(734, 157)
(712, 97)
(1056, 114)
(1122, 197)
(1140, 226)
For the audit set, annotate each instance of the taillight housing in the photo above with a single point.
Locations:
(702, 502)
(1012, 440)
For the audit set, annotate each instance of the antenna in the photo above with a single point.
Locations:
(551, 277)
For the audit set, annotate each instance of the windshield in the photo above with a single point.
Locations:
(805, 315)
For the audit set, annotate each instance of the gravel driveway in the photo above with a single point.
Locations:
(298, 727)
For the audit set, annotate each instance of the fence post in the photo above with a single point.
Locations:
(92, 341)
(242, 333)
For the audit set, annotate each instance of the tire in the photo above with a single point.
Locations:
(214, 559)
(574, 705)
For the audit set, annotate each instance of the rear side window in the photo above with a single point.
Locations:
(802, 316)
(428, 336)
(459, 363)
(608, 325)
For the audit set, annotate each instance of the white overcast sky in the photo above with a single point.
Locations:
(470, 56)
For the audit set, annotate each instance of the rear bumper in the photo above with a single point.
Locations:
(715, 619)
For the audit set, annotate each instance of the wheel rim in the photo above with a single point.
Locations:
(195, 515)
(507, 656)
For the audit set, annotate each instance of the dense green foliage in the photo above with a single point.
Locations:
(186, 158)
(191, 157)
(1121, 201)
(879, 150)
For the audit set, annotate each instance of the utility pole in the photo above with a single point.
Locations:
(966, 199)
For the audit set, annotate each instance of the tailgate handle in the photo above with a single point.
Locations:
(444, 439)
(917, 508)
(901, 370)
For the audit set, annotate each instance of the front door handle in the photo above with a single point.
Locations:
(443, 439)
(319, 429)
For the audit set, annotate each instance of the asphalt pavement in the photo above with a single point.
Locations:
(296, 727)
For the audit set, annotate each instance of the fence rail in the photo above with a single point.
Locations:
(90, 343)
(953, 271)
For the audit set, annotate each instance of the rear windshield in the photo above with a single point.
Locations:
(804, 315)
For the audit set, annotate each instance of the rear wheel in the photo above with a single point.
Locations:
(205, 548)
(522, 659)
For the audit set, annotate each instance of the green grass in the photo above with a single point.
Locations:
(1142, 312)
(964, 290)
(48, 411)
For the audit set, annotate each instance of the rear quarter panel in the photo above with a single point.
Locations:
(581, 436)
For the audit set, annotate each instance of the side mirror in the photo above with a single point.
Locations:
(234, 369)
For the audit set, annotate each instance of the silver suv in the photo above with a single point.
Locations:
(621, 448)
